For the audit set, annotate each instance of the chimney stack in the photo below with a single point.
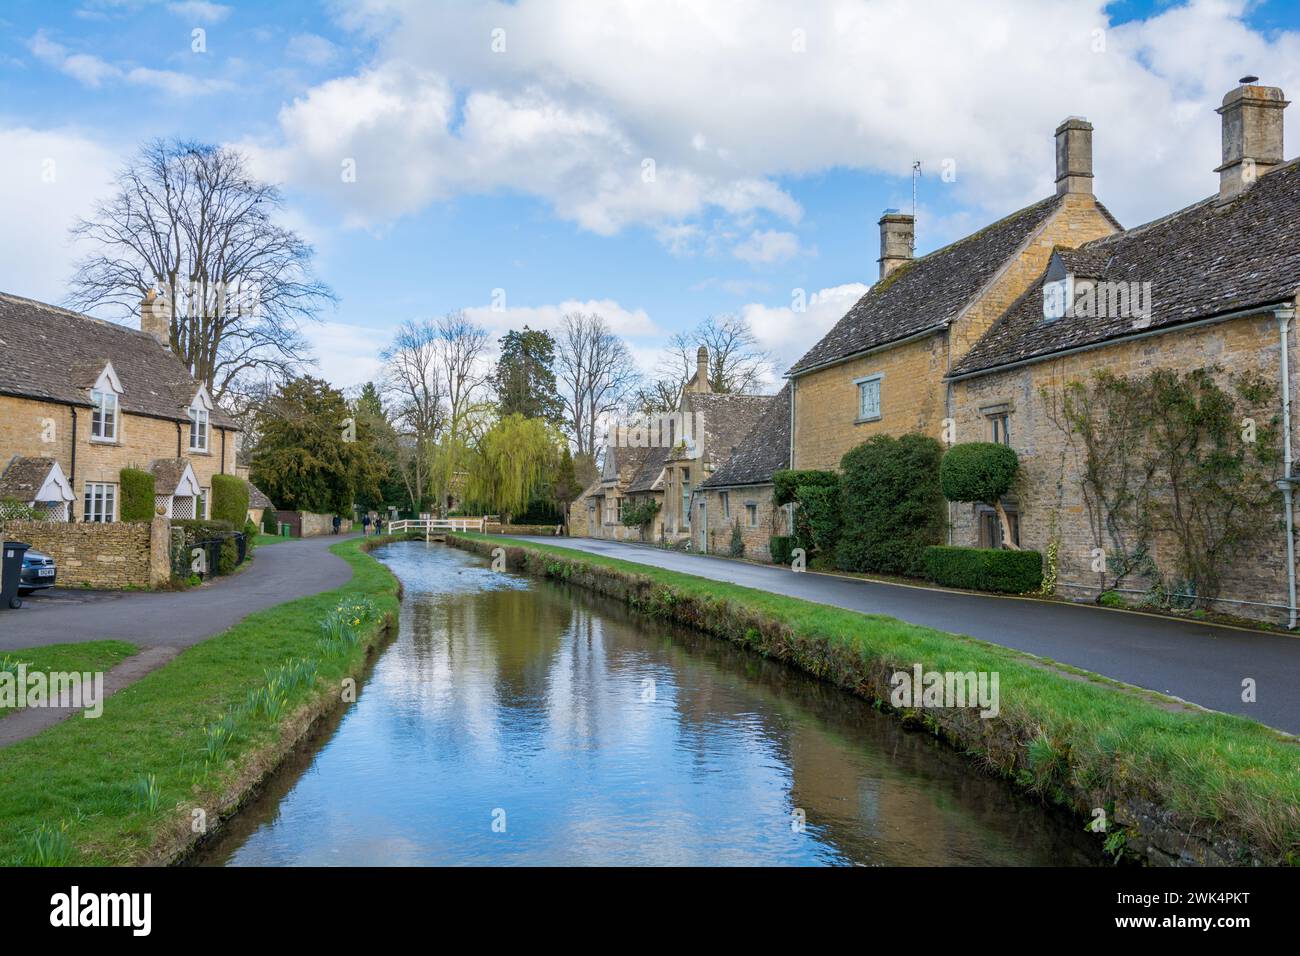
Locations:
(1252, 135)
(1074, 156)
(897, 233)
(155, 317)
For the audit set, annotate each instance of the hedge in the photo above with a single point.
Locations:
(892, 505)
(230, 499)
(786, 483)
(820, 516)
(780, 546)
(985, 569)
(137, 494)
(269, 524)
(978, 471)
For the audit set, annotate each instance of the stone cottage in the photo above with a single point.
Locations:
(1213, 287)
(81, 399)
(739, 494)
(882, 368)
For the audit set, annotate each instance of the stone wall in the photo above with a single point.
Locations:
(1050, 493)
(314, 525)
(770, 519)
(108, 556)
(44, 429)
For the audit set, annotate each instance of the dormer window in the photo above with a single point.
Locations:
(103, 420)
(104, 406)
(198, 429)
(1058, 290)
(198, 412)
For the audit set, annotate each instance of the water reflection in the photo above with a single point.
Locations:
(595, 738)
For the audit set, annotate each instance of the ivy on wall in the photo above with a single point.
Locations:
(1177, 474)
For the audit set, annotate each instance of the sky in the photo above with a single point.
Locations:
(656, 162)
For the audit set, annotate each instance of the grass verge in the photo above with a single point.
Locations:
(180, 749)
(1182, 783)
(91, 656)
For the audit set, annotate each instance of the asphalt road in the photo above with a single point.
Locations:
(279, 572)
(1202, 663)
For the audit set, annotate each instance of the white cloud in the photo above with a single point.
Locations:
(788, 333)
(719, 97)
(176, 84)
(52, 178)
(92, 71)
(768, 246)
(200, 11)
(346, 355)
(311, 49)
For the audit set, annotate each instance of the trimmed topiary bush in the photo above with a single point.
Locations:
(737, 547)
(985, 569)
(230, 499)
(780, 546)
(229, 556)
(892, 506)
(137, 494)
(786, 483)
(269, 524)
(981, 471)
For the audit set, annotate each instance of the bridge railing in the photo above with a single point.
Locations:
(429, 525)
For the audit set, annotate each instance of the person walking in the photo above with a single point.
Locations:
(338, 523)
(379, 525)
(365, 525)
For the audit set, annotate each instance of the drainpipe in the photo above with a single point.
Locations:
(1284, 317)
(72, 478)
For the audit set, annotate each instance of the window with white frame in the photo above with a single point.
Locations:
(198, 429)
(726, 503)
(751, 515)
(868, 398)
(103, 418)
(201, 506)
(100, 503)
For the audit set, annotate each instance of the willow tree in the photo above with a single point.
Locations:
(512, 461)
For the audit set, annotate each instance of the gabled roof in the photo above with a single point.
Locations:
(652, 468)
(257, 498)
(627, 460)
(1206, 260)
(24, 479)
(172, 475)
(930, 291)
(57, 355)
(765, 449)
(726, 419)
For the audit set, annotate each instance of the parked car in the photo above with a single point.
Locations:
(39, 571)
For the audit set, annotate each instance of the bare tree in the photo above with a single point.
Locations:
(461, 346)
(737, 365)
(596, 374)
(413, 382)
(191, 229)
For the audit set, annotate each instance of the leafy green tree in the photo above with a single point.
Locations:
(524, 377)
(377, 435)
(513, 459)
(302, 460)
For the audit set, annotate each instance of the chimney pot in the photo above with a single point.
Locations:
(897, 237)
(155, 317)
(1074, 156)
(1252, 136)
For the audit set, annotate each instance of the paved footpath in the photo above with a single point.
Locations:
(162, 623)
(1202, 663)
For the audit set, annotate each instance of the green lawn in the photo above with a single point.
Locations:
(262, 539)
(1087, 734)
(111, 790)
(92, 656)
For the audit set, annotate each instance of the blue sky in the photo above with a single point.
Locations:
(778, 132)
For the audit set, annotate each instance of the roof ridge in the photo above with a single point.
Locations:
(73, 314)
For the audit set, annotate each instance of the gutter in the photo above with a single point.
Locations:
(1286, 482)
